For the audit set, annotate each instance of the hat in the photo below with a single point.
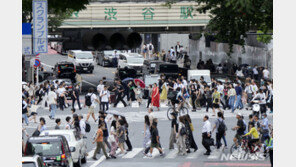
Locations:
(239, 114)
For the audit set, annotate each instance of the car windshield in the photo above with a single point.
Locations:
(48, 148)
(28, 164)
(111, 52)
(84, 56)
(135, 60)
(168, 68)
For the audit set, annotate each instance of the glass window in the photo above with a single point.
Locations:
(28, 164)
(84, 56)
(48, 148)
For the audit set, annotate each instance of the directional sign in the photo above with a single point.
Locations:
(37, 63)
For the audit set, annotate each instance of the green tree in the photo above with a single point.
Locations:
(231, 20)
(58, 10)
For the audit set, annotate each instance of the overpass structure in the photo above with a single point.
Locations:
(117, 25)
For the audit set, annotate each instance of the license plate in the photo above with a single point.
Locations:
(84, 68)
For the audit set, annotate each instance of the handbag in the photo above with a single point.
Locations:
(36, 133)
(191, 127)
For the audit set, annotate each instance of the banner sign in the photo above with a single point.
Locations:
(40, 29)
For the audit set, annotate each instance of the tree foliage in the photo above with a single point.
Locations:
(58, 10)
(232, 19)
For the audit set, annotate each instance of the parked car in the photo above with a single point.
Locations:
(104, 58)
(65, 69)
(83, 60)
(131, 60)
(74, 141)
(54, 150)
(149, 66)
(33, 161)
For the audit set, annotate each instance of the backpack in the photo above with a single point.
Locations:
(222, 127)
(150, 47)
(87, 127)
(88, 100)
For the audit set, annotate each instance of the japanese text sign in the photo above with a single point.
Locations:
(40, 26)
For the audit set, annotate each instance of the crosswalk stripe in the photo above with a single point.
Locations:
(155, 153)
(172, 154)
(98, 161)
(91, 153)
(194, 154)
(215, 154)
(133, 153)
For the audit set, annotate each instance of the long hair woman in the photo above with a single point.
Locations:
(155, 96)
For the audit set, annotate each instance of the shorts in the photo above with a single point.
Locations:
(216, 105)
(91, 109)
(239, 137)
(154, 145)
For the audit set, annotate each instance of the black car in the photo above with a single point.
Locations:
(149, 66)
(168, 69)
(65, 69)
(126, 72)
(54, 150)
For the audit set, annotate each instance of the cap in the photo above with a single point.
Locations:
(239, 114)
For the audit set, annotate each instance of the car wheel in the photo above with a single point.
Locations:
(83, 160)
(78, 163)
(91, 71)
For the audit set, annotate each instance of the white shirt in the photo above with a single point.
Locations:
(255, 71)
(266, 73)
(61, 91)
(220, 88)
(100, 87)
(51, 97)
(248, 89)
(82, 126)
(25, 104)
(184, 82)
(206, 127)
(104, 98)
(92, 99)
(254, 88)
(260, 96)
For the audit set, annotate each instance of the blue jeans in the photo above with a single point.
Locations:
(224, 139)
(239, 102)
(25, 116)
(231, 102)
(53, 109)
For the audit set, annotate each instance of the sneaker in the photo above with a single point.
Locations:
(112, 156)
(108, 157)
(149, 155)
(94, 158)
(162, 154)
(129, 149)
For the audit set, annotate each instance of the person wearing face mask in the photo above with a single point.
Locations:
(75, 97)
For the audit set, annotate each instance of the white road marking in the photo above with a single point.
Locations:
(155, 153)
(194, 154)
(172, 154)
(47, 65)
(98, 161)
(88, 83)
(91, 153)
(133, 153)
(215, 154)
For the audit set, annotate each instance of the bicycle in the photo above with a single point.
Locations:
(240, 151)
(183, 111)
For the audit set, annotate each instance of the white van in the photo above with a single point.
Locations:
(83, 60)
(196, 74)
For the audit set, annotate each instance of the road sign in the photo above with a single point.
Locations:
(26, 39)
(40, 29)
(37, 63)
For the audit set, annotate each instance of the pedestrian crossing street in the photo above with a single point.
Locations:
(137, 154)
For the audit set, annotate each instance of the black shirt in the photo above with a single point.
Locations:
(174, 122)
(240, 130)
(154, 135)
(120, 89)
(171, 84)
